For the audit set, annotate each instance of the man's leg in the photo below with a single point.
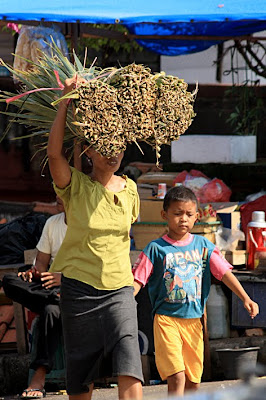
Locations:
(129, 388)
(31, 295)
(45, 340)
(49, 331)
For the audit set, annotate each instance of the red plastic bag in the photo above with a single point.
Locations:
(247, 209)
(184, 175)
(214, 191)
(206, 190)
(195, 172)
(181, 177)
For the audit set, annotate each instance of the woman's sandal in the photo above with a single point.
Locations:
(28, 396)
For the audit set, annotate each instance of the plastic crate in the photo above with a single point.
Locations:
(256, 289)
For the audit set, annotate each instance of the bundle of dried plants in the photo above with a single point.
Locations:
(110, 107)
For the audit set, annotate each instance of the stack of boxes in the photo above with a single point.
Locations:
(231, 219)
(150, 224)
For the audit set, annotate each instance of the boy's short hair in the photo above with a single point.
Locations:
(179, 193)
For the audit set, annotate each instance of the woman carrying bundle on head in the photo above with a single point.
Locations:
(97, 303)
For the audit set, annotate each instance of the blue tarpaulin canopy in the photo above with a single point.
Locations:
(206, 18)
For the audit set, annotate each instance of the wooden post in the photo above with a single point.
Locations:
(20, 323)
(74, 38)
(19, 314)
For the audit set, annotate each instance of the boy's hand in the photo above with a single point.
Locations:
(251, 307)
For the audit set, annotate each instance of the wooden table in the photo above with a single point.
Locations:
(19, 314)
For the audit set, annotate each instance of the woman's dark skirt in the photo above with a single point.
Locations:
(100, 334)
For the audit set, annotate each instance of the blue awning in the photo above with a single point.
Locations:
(154, 18)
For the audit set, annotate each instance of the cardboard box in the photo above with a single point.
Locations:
(158, 177)
(146, 191)
(150, 211)
(145, 232)
(134, 255)
(236, 257)
(228, 214)
(209, 236)
(225, 206)
(206, 229)
(231, 220)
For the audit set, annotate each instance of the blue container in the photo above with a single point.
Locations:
(256, 289)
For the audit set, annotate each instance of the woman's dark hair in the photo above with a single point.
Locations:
(179, 193)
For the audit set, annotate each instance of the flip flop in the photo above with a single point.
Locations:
(28, 396)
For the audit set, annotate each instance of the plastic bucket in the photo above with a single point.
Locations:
(234, 360)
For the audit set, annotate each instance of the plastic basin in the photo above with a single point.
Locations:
(233, 361)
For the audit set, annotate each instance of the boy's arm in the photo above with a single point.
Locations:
(233, 283)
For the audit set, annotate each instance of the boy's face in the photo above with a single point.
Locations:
(181, 217)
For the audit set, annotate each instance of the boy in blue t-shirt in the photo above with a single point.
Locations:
(177, 268)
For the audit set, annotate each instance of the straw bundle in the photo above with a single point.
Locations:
(98, 118)
(110, 107)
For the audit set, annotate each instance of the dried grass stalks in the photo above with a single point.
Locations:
(98, 118)
(114, 106)
(132, 105)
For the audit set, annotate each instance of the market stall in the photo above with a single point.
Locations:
(188, 28)
(170, 27)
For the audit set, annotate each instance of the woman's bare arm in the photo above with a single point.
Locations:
(58, 164)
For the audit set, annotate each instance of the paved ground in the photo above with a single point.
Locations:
(149, 392)
(232, 389)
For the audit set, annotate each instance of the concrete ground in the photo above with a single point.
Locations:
(208, 391)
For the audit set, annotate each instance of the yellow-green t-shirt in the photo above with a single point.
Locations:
(97, 243)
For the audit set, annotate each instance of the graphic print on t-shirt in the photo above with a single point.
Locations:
(183, 276)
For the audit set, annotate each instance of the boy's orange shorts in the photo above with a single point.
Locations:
(178, 346)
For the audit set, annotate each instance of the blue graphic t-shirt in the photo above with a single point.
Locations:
(179, 274)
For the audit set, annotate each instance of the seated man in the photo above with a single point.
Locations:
(38, 290)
